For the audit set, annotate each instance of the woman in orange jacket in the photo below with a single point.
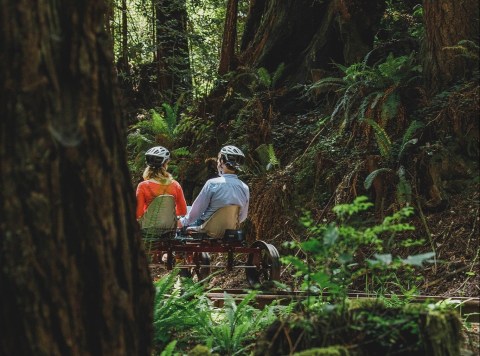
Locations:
(158, 181)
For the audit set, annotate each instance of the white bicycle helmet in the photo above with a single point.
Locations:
(157, 156)
(232, 156)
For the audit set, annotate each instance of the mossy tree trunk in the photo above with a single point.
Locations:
(74, 278)
(447, 22)
(309, 35)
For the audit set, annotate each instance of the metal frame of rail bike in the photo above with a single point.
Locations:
(262, 265)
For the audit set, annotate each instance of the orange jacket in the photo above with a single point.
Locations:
(149, 189)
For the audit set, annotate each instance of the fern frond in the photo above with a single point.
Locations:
(181, 152)
(158, 125)
(412, 128)
(264, 77)
(326, 83)
(273, 160)
(170, 116)
(383, 141)
(169, 350)
(278, 73)
(366, 102)
(407, 137)
(390, 106)
(371, 177)
(466, 48)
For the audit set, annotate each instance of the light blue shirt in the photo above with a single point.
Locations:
(216, 193)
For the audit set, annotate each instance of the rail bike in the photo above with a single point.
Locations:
(189, 249)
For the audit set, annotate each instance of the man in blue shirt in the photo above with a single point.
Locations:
(221, 191)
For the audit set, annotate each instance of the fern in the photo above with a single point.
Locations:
(264, 77)
(383, 141)
(277, 74)
(266, 156)
(170, 116)
(181, 152)
(273, 160)
(156, 126)
(231, 330)
(390, 107)
(371, 177)
(407, 136)
(367, 102)
(466, 48)
(175, 308)
(170, 349)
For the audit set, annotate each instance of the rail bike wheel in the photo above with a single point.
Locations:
(263, 267)
(199, 273)
(202, 259)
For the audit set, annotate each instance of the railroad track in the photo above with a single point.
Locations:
(469, 308)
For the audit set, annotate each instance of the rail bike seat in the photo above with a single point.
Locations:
(160, 220)
(222, 224)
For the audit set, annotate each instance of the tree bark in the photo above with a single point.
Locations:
(173, 61)
(110, 18)
(254, 17)
(306, 35)
(74, 277)
(123, 64)
(227, 55)
(446, 23)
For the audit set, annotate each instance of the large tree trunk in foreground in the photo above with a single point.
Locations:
(447, 22)
(74, 279)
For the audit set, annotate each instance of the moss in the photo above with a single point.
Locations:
(366, 327)
(441, 333)
(200, 350)
(325, 351)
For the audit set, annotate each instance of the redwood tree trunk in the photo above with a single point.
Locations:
(123, 64)
(447, 22)
(227, 55)
(306, 35)
(254, 17)
(74, 278)
(173, 61)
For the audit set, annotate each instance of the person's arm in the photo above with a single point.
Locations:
(199, 206)
(140, 201)
(180, 203)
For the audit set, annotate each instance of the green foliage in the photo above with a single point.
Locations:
(176, 308)
(263, 77)
(325, 351)
(401, 21)
(232, 329)
(383, 141)
(330, 262)
(183, 313)
(467, 49)
(403, 187)
(199, 128)
(267, 158)
(365, 88)
(371, 177)
(170, 349)
(154, 128)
